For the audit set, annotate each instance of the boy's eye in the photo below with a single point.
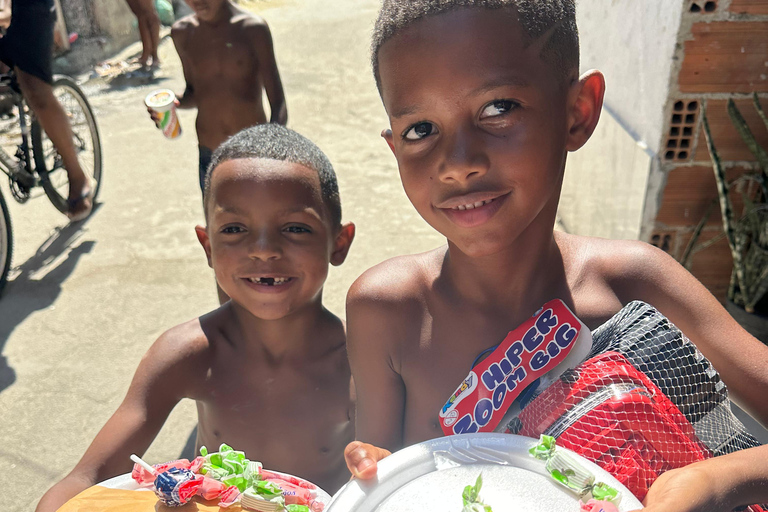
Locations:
(497, 108)
(297, 229)
(419, 131)
(231, 230)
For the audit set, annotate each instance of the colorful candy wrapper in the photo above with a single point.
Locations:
(569, 472)
(177, 486)
(145, 479)
(598, 506)
(269, 475)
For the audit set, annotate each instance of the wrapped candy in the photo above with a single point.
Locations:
(145, 478)
(598, 506)
(174, 484)
(177, 486)
(569, 472)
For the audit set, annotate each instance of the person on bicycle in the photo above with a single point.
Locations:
(27, 47)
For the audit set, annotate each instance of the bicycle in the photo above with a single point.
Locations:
(35, 162)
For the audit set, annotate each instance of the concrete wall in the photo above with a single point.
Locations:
(104, 27)
(633, 43)
(605, 182)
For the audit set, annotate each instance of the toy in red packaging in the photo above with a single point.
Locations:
(550, 341)
(612, 414)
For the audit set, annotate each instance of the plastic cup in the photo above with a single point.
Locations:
(162, 103)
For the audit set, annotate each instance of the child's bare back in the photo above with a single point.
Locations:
(228, 61)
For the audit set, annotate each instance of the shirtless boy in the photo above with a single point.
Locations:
(227, 57)
(269, 368)
(485, 102)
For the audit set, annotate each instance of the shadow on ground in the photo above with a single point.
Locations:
(26, 293)
(189, 451)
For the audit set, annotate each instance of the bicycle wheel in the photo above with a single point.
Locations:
(85, 135)
(6, 242)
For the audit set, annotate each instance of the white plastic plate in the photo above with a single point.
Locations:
(432, 475)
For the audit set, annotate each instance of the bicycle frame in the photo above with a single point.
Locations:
(18, 168)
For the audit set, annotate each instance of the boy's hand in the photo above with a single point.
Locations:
(362, 458)
(157, 116)
(684, 490)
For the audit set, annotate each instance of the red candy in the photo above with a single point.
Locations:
(146, 479)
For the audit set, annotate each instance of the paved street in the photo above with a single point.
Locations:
(85, 304)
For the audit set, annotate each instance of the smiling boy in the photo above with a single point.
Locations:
(269, 368)
(485, 101)
(228, 61)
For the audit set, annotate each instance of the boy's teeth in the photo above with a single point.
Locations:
(269, 281)
(472, 206)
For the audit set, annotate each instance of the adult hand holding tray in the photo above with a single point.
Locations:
(432, 475)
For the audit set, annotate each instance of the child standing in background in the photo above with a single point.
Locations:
(228, 60)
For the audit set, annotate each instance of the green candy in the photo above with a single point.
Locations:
(604, 492)
(544, 449)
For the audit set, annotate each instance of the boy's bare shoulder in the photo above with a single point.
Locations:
(251, 23)
(399, 280)
(626, 266)
(181, 344)
(183, 25)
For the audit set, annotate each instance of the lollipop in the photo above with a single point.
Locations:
(174, 487)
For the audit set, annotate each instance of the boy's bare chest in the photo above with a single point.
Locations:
(446, 347)
(292, 421)
(219, 57)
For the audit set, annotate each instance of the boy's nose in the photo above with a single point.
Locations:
(465, 157)
(264, 247)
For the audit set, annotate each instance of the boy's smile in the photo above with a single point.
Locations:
(479, 125)
(269, 237)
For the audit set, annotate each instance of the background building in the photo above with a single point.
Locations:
(646, 172)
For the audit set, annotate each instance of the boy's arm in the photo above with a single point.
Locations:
(645, 273)
(156, 388)
(179, 35)
(718, 484)
(262, 40)
(374, 330)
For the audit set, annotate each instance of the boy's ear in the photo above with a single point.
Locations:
(205, 241)
(585, 102)
(387, 136)
(342, 243)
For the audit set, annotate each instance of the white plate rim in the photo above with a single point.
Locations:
(417, 460)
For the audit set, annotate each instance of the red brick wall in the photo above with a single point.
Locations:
(723, 53)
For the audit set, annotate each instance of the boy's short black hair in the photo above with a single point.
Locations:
(277, 142)
(537, 17)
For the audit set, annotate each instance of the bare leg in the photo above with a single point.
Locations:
(146, 40)
(53, 119)
(153, 22)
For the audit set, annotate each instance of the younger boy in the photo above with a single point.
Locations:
(228, 59)
(267, 369)
(485, 102)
